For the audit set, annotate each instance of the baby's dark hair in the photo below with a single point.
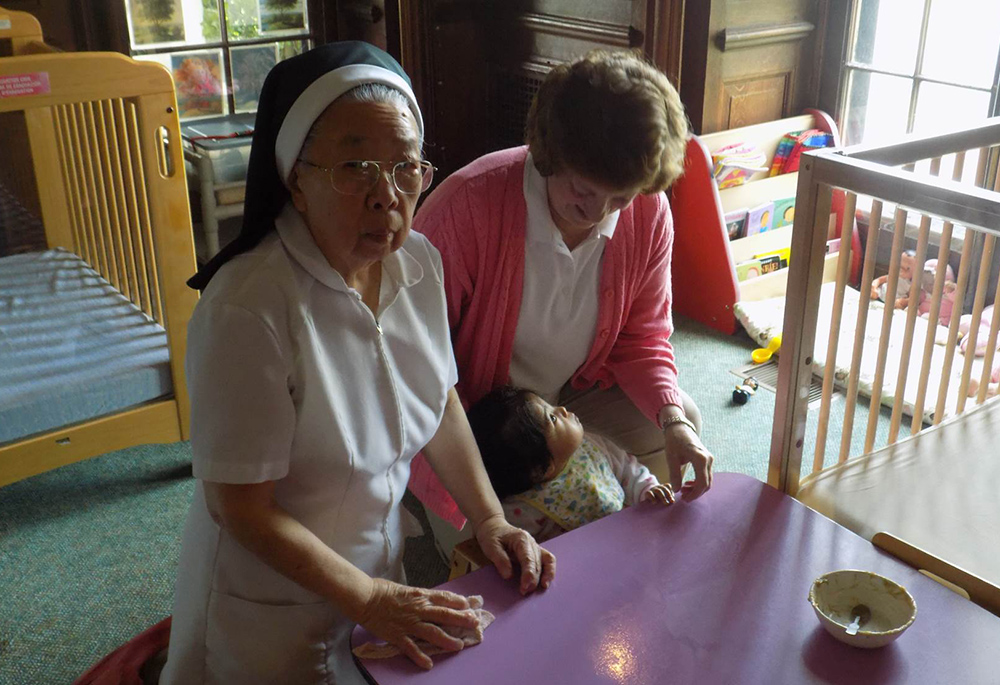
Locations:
(512, 443)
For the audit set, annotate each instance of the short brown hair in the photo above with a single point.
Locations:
(612, 117)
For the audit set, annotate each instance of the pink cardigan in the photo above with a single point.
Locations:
(476, 218)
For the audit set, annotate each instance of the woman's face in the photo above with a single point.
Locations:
(355, 231)
(562, 429)
(578, 204)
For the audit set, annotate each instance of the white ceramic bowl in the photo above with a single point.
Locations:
(834, 594)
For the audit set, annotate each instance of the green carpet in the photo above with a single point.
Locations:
(88, 552)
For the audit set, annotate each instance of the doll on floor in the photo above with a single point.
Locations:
(550, 476)
(907, 268)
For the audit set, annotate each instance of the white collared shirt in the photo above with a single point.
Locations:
(558, 317)
(294, 380)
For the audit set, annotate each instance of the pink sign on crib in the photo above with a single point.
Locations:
(19, 85)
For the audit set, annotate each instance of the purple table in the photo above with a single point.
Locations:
(711, 591)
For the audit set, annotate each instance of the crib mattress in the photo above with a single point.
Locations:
(936, 490)
(72, 348)
(764, 319)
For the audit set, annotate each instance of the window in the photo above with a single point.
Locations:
(919, 66)
(219, 51)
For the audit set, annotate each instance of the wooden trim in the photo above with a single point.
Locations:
(24, 30)
(151, 423)
(594, 31)
(981, 591)
(664, 37)
(754, 36)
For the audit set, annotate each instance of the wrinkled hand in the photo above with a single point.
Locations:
(682, 446)
(398, 614)
(661, 492)
(498, 540)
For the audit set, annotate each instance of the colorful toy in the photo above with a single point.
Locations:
(744, 391)
(762, 354)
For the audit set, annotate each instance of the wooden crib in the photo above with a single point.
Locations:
(930, 494)
(92, 147)
(17, 31)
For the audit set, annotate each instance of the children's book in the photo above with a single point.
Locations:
(736, 223)
(784, 212)
(748, 269)
(759, 218)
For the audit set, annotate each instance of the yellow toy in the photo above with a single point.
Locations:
(762, 354)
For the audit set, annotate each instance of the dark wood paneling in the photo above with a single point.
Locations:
(476, 64)
(749, 61)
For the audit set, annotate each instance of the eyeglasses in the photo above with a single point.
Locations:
(359, 176)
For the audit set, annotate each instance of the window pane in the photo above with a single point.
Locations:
(250, 66)
(877, 107)
(963, 40)
(283, 17)
(242, 19)
(197, 80)
(161, 23)
(888, 34)
(155, 22)
(947, 108)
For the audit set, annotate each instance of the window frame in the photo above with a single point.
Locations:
(848, 28)
(313, 35)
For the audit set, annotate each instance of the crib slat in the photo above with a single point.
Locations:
(991, 348)
(977, 313)
(114, 224)
(138, 169)
(69, 179)
(93, 255)
(93, 172)
(960, 291)
(132, 204)
(886, 331)
(934, 315)
(116, 182)
(843, 271)
(867, 276)
(910, 325)
(916, 285)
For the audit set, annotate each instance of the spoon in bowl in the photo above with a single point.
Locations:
(862, 615)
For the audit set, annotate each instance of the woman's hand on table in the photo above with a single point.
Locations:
(399, 614)
(499, 541)
(682, 446)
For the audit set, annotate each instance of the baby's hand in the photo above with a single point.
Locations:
(661, 493)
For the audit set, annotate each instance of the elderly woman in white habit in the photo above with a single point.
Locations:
(320, 363)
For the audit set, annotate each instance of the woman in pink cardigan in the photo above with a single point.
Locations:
(557, 265)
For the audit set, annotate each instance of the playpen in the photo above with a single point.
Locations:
(930, 494)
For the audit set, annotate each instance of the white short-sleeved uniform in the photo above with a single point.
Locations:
(293, 379)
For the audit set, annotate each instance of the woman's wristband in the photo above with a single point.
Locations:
(678, 418)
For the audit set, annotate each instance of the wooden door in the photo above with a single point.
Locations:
(477, 64)
(749, 61)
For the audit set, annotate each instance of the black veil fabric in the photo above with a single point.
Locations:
(266, 194)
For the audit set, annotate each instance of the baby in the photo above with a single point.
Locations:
(549, 475)
(907, 267)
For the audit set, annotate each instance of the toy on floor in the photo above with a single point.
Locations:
(927, 290)
(762, 354)
(907, 267)
(746, 390)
